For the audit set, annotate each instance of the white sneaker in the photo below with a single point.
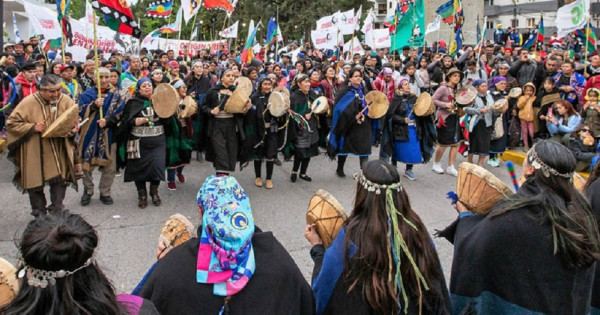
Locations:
(437, 168)
(494, 162)
(451, 170)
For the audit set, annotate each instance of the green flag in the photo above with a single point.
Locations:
(410, 30)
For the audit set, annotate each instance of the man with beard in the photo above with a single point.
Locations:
(41, 161)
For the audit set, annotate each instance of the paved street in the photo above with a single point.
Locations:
(128, 235)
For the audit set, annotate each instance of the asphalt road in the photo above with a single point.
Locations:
(128, 235)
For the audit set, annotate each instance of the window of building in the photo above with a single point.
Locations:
(390, 4)
(514, 23)
(530, 22)
(381, 9)
(489, 25)
(489, 2)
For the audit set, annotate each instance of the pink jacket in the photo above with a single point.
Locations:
(440, 98)
(385, 87)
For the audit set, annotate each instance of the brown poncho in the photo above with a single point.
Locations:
(38, 160)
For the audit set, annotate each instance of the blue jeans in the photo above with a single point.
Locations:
(171, 173)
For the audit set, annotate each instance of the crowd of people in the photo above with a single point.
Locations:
(383, 260)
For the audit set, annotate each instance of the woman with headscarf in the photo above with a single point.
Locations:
(224, 130)
(305, 136)
(60, 274)
(144, 151)
(382, 261)
(498, 146)
(233, 267)
(351, 127)
(404, 132)
(265, 133)
(541, 242)
(178, 133)
(480, 122)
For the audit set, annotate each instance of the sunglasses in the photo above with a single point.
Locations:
(585, 130)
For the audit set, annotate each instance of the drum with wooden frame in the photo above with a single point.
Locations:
(9, 284)
(500, 105)
(190, 107)
(63, 124)
(424, 105)
(165, 100)
(478, 189)
(236, 103)
(515, 92)
(327, 214)
(466, 95)
(278, 104)
(176, 231)
(377, 103)
(320, 105)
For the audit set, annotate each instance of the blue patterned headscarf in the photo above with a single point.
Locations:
(140, 82)
(225, 255)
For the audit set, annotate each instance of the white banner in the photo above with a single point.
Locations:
(435, 25)
(230, 32)
(379, 38)
(190, 7)
(324, 39)
(572, 17)
(368, 24)
(180, 45)
(326, 22)
(43, 20)
(356, 48)
(345, 22)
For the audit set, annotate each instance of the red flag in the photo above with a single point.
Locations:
(218, 4)
(118, 16)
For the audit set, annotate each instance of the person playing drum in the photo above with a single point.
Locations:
(224, 130)
(481, 122)
(403, 130)
(351, 128)
(382, 261)
(178, 133)
(265, 133)
(448, 130)
(143, 131)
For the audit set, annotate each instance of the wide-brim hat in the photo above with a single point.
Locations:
(454, 70)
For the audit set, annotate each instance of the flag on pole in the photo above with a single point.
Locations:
(535, 36)
(357, 17)
(247, 54)
(153, 34)
(368, 23)
(456, 43)
(459, 16)
(588, 36)
(230, 32)
(272, 29)
(279, 36)
(190, 8)
(173, 27)
(160, 9)
(118, 16)
(572, 16)
(447, 11)
(233, 4)
(194, 33)
(16, 29)
(482, 36)
(224, 5)
(409, 30)
(434, 26)
(62, 7)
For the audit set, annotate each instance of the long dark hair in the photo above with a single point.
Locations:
(63, 241)
(574, 227)
(593, 175)
(367, 228)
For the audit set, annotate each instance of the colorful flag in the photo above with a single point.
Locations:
(456, 43)
(173, 27)
(16, 29)
(541, 32)
(224, 5)
(271, 32)
(153, 34)
(447, 12)
(459, 17)
(160, 9)
(247, 54)
(481, 37)
(118, 16)
(535, 37)
(62, 7)
(588, 36)
(410, 29)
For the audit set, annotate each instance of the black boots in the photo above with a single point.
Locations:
(142, 198)
(154, 194)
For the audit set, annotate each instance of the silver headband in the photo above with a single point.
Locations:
(43, 278)
(535, 161)
(374, 187)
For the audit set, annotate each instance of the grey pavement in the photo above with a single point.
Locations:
(128, 235)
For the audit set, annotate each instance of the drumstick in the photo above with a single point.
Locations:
(511, 170)
(83, 122)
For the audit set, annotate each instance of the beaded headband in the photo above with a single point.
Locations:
(43, 278)
(374, 187)
(535, 161)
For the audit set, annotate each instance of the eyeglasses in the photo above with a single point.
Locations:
(585, 130)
